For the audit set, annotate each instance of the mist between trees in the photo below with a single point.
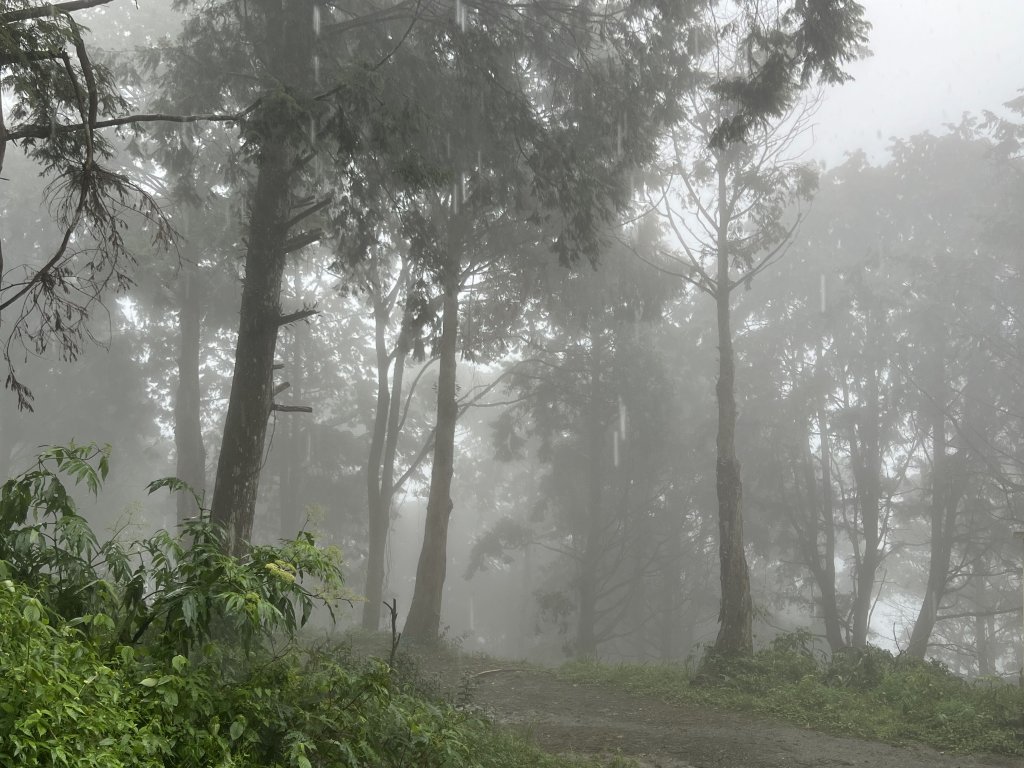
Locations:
(533, 309)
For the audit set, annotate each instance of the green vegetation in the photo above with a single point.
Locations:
(868, 693)
(166, 652)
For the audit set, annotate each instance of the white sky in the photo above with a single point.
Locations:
(932, 61)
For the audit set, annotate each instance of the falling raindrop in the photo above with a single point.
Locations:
(312, 130)
(618, 138)
(622, 418)
(455, 199)
(448, 146)
(615, 448)
(316, 69)
(822, 294)
(316, 20)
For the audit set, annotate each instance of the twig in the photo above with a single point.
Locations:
(396, 636)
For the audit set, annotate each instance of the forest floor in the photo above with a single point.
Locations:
(600, 720)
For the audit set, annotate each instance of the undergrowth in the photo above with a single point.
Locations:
(867, 693)
(168, 652)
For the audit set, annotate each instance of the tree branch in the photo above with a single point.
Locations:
(291, 408)
(49, 9)
(301, 240)
(45, 131)
(292, 317)
(308, 212)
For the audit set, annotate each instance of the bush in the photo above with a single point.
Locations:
(60, 702)
(169, 652)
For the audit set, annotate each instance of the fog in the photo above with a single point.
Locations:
(572, 345)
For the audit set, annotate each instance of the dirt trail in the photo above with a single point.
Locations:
(601, 720)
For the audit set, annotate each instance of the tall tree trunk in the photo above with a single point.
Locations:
(827, 584)
(825, 567)
(671, 584)
(378, 509)
(424, 620)
(245, 426)
(946, 492)
(285, 50)
(381, 472)
(983, 624)
(188, 432)
(735, 634)
(587, 578)
(867, 469)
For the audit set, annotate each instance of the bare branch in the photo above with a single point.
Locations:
(47, 130)
(49, 9)
(292, 317)
(291, 408)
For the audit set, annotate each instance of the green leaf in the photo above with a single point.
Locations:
(149, 682)
(179, 662)
(31, 612)
(236, 730)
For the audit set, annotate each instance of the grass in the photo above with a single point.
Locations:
(867, 693)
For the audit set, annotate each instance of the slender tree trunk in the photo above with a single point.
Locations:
(424, 620)
(982, 625)
(378, 507)
(867, 469)
(188, 432)
(285, 50)
(587, 579)
(671, 576)
(735, 634)
(827, 577)
(381, 492)
(827, 585)
(946, 492)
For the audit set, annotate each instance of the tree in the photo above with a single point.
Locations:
(63, 98)
(575, 150)
(595, 398)
(739, 182)
(740, 194)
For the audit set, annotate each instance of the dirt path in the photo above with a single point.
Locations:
(601, 720)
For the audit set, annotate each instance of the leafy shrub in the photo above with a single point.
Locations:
(859, 668)
(169, 652)
(60, 702)
(180, 589)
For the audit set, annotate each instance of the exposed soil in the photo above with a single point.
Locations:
(563, 717)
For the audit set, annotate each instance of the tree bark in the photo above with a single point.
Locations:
(424, 620)
(188, 432)
(735, 634)
(983, 625)
(867, 469)
(946, 492)
(827, 583)
(285, 49)
(587, 578)
(823, 529)
(381, 472)
(378, 509)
